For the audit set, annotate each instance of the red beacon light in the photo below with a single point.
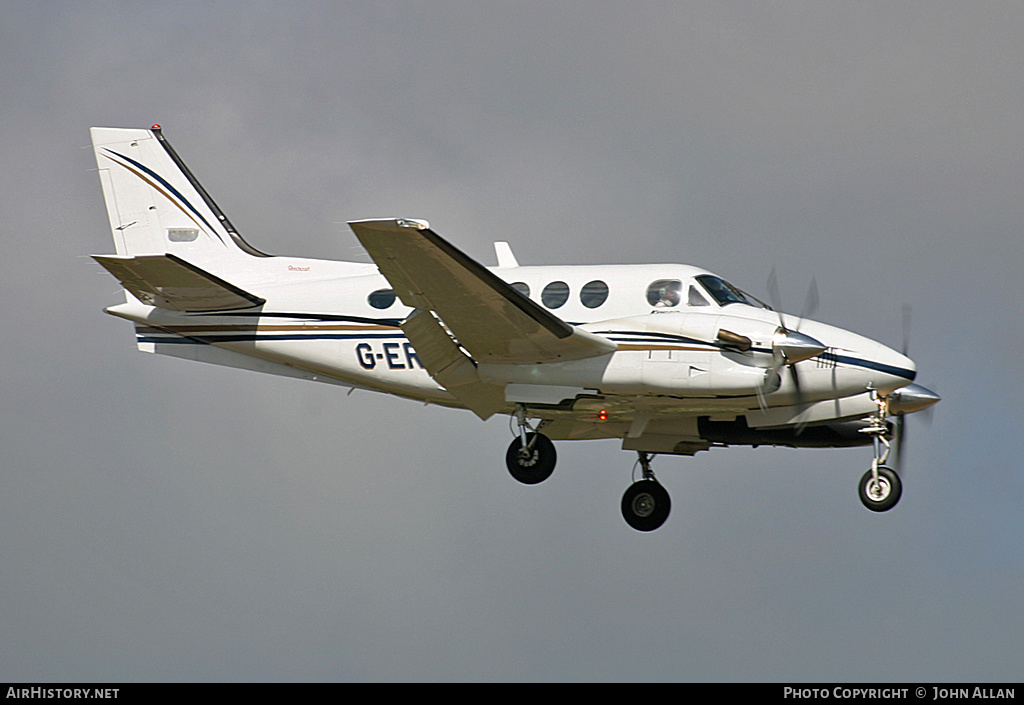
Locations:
(602, 415)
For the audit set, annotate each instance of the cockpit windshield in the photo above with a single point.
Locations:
(725, 293)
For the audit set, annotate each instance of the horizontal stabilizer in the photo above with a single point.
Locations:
(490, 319)
(167, 281)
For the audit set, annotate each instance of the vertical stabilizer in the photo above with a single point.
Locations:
(154, 202)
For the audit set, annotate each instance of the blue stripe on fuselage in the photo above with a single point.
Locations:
(881, 367)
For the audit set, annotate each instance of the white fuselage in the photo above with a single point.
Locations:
(318, 323)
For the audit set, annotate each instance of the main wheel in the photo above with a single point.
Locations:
(535, 463)
(645, 505)
(882, 495)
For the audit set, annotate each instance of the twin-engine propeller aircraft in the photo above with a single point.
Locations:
(669, 358)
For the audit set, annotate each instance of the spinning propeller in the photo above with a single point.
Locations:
(907, 400)
(789, 345)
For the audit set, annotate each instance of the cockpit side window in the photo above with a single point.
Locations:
(723, 292)
(694, 297)
(664, 293)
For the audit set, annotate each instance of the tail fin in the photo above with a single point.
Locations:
(154, 202)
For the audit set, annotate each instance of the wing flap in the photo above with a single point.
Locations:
(451, 367)
(167, 281)
(489, 318)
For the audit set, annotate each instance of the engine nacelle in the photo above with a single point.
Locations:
(702, 373)
(682, 353)
(706, 354)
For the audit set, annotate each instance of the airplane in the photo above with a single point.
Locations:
(668, 358)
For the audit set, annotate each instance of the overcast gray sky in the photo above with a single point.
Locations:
(165, 520)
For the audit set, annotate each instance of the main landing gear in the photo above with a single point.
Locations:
(531, 457)
(880, 487)
(646, 504)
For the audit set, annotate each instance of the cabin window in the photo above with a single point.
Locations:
(594, 293)
(664, 293)
(555, 294)
(522, 287)
(382, 298)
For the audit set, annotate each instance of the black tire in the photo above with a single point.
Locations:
(536, 464)
(645, 505)
(883, 496)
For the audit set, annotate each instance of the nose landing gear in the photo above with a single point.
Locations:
(880, 487)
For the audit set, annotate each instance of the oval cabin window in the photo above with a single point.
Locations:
(594, 293)
(382, 298)
(522, 287)
(555, 294)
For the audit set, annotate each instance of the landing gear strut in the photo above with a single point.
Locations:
(646, 504)
(531, 456)
(880, 487)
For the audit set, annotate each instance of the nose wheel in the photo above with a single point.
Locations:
(646, 504)
(880, 488)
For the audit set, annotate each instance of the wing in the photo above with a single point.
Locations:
(490, 319)
(170, 282)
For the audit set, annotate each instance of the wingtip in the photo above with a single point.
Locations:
(390, 224)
